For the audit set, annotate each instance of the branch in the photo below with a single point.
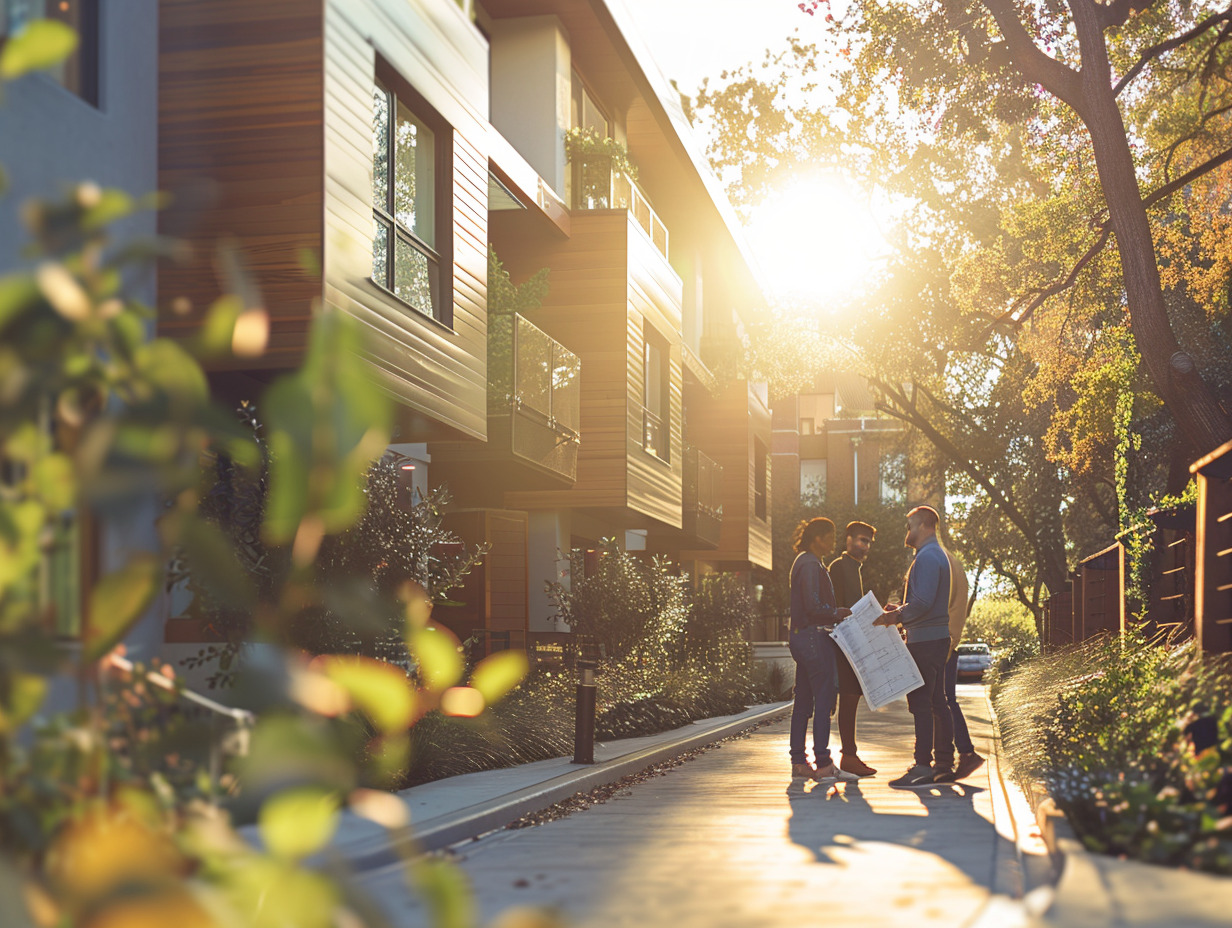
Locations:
(1018, 314)
(912, 415)
(1164, 47)
(1034, 65)
(1115, 14)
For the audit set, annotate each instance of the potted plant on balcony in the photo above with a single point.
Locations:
(596, 160)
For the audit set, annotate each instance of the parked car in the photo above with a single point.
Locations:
(973, 660)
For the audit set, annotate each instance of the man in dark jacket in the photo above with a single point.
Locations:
(848, 590)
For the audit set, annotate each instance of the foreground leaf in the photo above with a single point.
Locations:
(298, 822)
(118, 601)
(43, 44)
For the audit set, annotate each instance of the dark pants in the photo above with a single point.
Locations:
(934, 729)
(962, 737)
(816, 684)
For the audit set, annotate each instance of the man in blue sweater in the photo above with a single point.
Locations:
(925, 614)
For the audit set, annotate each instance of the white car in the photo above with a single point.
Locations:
(973, 660)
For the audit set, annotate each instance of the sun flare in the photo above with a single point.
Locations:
(816, 240)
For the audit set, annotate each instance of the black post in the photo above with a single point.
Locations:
(584, 727)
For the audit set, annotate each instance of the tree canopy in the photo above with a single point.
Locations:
(1057, 295)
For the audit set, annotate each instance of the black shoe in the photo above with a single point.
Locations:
(919, 775)
(944, 774)
(967, 765)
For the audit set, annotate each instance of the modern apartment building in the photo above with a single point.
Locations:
(393, 143)
(832, 449)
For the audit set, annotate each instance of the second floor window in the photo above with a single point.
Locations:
(656, 391)
(761, 479)
(409, 158)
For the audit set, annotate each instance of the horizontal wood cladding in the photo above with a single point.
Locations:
(240, 122)
(729, 429)
(604, 282)
(268, 108)
(494, 594)
(437, 370)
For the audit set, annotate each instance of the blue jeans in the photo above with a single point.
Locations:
(962, 737)
(934, 729)
(816, 688)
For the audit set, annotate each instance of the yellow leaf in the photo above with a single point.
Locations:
(435, 651)
(109, 847)
(42, 44)
(380, 690)
(298, 822)
(26, 694)
(498, 673)
(118, 601)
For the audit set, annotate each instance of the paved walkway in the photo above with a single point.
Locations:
(729, 840)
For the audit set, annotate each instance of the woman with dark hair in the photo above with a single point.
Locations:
(813, 616)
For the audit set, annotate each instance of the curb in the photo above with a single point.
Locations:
(438, 833)
(1011, 806)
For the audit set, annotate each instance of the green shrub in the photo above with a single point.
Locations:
(668, 655)
(1123, 735)
(1006, 626)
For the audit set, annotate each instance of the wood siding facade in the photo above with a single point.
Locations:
(607, 283)
(731, 428)
(266, 137)
(493, 596)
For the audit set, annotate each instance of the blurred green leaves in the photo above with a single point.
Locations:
(298, 822)
(436, 653)
(497, 674)
(42, 44)
(327, 423)
(118, 601)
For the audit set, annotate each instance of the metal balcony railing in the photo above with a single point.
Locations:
(597, 186)
(535, 381)
(702, 496)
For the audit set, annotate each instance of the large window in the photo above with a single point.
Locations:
(892, 478)
(409, 194)
(656, 391)
(761, 479)
(584, 112)
(79, 72)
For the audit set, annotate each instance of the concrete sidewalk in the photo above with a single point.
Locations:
(447, 811)
(730, 839)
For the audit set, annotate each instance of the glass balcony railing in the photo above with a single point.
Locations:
(535, 381)
(598, 186)
(703, 496)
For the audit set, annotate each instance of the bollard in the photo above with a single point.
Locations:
(584, 726)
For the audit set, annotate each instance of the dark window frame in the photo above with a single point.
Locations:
(439, 255)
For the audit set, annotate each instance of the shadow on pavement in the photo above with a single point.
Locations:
(827, 817)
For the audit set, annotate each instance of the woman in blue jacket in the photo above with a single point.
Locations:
(813, 616)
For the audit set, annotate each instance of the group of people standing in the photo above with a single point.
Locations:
(932, 614)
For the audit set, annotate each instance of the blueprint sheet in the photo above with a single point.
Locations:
(879, 657)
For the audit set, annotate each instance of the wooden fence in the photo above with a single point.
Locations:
(1190, 573)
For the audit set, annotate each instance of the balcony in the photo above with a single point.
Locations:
(596, 185)
(534, 396)
(703, 497)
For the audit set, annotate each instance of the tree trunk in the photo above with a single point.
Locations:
(1201, 419)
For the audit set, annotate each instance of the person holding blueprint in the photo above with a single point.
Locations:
(925, 614)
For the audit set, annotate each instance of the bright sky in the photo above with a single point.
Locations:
(816, 240)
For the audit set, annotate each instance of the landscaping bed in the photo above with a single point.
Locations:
(1132, 740)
